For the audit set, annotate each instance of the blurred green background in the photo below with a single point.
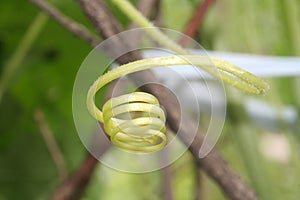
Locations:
(45, 77)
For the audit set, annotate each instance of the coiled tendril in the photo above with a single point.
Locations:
(145, 132)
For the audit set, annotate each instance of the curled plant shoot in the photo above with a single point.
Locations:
(144, 130)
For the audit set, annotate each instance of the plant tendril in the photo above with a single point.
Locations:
(143, 129)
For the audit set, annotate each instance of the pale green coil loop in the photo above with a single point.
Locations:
(143, 132)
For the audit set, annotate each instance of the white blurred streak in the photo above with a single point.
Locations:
(263, 114)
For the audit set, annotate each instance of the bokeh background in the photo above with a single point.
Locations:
(267, 157)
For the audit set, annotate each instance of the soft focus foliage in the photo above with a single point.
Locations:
(45, 80)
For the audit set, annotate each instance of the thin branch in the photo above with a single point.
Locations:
(74, 187)
(145, 7)
(167, 172)
(51, 144)
(158, 14)
(167, 183)
(196, 20)
(77, 29)
(199, 180)
(107, 20)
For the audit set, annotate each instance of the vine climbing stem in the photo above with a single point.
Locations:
(254, 84)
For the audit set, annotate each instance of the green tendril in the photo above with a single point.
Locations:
(143, 130)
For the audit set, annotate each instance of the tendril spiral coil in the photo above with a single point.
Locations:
(145, 132)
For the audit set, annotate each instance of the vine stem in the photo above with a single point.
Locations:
(252, 84)
(139, 19)
(14, 63)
